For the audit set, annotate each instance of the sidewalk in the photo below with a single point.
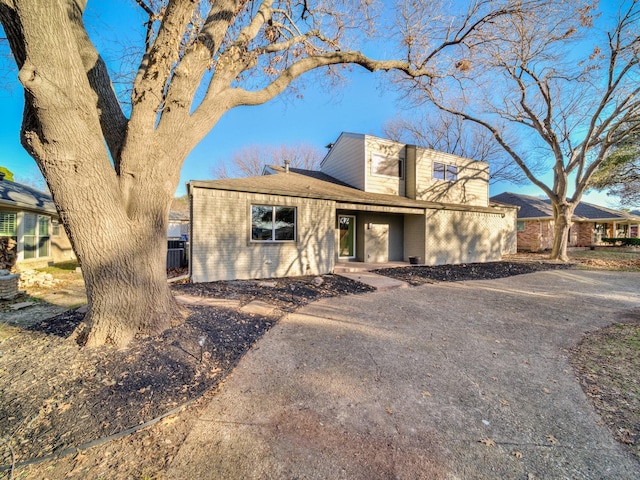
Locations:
(446, 381)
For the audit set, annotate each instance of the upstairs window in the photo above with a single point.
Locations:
(445, 172)
(386, 166)
(520, 226)
(273, 224)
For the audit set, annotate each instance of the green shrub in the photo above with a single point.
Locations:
(625, 242)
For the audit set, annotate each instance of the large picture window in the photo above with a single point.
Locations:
(386, 166)
(273, 224)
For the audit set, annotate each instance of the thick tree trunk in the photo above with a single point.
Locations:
(563, 214)
(128, 293)
(114, 204)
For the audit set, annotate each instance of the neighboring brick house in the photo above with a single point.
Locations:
(591, 223)
(29, 218)
(373, 200)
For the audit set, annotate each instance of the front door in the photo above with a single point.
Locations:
(347, 230)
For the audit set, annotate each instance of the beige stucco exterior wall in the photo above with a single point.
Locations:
(220, 239)
(61, 250)
(454, 237)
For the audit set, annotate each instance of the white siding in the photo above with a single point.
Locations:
(221, 248)
(345, 161)
(382, 184)
(472, 187)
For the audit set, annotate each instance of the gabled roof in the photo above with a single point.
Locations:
(25, 197)
(295, 184)
(540, 208)
(271, 169)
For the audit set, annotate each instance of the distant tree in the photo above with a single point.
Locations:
(558, 87)
(8, 174)
(180, 205)
(452, 134)
(251, 160)
(34, 179)
(619, 173)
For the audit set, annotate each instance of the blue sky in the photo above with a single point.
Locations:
(318, 118)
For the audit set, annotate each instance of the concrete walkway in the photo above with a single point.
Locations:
(446, 381)
(360, 272)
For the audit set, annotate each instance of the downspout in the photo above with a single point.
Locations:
(410, 172)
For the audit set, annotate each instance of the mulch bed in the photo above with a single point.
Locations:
(421, 274)
(56, 396)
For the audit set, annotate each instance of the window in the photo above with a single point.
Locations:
(55, 228)
(8, 225)
(273, 224)
(386, 166)
(448, 173)
(36, 236)
(452, 173)
(520, 226)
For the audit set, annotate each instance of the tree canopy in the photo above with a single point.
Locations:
(556, 86)
(251, 160)
(8, 174)
(619, 173)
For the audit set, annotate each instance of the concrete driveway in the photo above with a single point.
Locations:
(453, 380)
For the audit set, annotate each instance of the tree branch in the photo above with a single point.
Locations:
(112, 118)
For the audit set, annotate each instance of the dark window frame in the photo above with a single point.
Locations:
(445, 172)
(261, 235)
(374, 163)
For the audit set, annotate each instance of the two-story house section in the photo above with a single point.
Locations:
(373, 200)
(377, 165)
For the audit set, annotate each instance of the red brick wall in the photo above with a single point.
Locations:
(585, 233)
(537, 235)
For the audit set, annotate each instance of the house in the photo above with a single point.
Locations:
(29, 218)
(590, 224)
(373, 200)
(178, 227)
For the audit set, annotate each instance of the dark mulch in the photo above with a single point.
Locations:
(421, 274)
(56, 396)
(287, 294)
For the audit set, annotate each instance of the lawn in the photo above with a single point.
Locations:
(608, 362)
(607, 258)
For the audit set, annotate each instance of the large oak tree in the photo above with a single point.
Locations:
(558, 89)
(113, 171)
